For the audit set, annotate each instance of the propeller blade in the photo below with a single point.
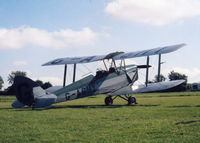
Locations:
(143, 66)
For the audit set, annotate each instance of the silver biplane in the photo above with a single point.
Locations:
(113, 81)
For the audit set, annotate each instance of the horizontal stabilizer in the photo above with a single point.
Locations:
(17, 104)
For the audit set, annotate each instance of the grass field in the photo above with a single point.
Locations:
(158, 118)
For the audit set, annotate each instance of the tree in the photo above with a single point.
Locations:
(162, 78)
(39, 82)
(178, 76)
(43, 85)
(1, 82)
(46, 85)
(13, 74)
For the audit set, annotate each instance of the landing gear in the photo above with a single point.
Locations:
(130, 99)
(108, 100)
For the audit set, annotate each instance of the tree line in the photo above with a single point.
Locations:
(171, 76)
(12, 75)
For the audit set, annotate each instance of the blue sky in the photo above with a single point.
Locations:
(33, 32)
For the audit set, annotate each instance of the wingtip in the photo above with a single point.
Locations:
(183, 44)
(45, 64)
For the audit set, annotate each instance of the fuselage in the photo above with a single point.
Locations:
(104, 82)
(30, 93)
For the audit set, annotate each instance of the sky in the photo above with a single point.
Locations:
(33, 32)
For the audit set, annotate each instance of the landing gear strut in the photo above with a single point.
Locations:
(130, 99)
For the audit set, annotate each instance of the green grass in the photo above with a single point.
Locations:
(158, 118)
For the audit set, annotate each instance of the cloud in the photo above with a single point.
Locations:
(28, 36)
(19, 63)
(192, 73)
(153, 12)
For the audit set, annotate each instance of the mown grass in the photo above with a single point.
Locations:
(158, 118)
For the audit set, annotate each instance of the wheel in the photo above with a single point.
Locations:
(108, 100)
(131, 100)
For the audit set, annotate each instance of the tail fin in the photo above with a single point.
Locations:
(23, 88)
(30, 93)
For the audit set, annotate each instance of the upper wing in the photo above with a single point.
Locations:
(74, 60)
(81, 60)
(155, 51)
(115, 56)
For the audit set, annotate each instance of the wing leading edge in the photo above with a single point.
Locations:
(75, 60)
(115, 56)
(150, 52)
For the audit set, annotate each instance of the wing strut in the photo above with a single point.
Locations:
(159, 67)
(147, 72)
(105, 65)
(124, 64)
(113, 61)
(65, 73)
(74, 74)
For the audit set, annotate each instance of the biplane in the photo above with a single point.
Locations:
(114, 81)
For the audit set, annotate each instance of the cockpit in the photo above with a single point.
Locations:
(101, 73)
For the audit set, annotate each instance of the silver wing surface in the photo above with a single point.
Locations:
(74, 60)
(152, 87)
(115, 56)
(150, 52)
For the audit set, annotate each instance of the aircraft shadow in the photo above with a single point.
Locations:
(6, 108)
(87, 106)
(69, 106)
(148, 105)
(79, 107)
(181, 106)
(96, 106)
(187, 122)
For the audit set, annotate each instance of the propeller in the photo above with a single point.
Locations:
(143, 66)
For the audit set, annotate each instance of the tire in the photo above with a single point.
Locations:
(108, 100)
(131, 100)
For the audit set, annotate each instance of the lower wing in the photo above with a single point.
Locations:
(152, 87)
